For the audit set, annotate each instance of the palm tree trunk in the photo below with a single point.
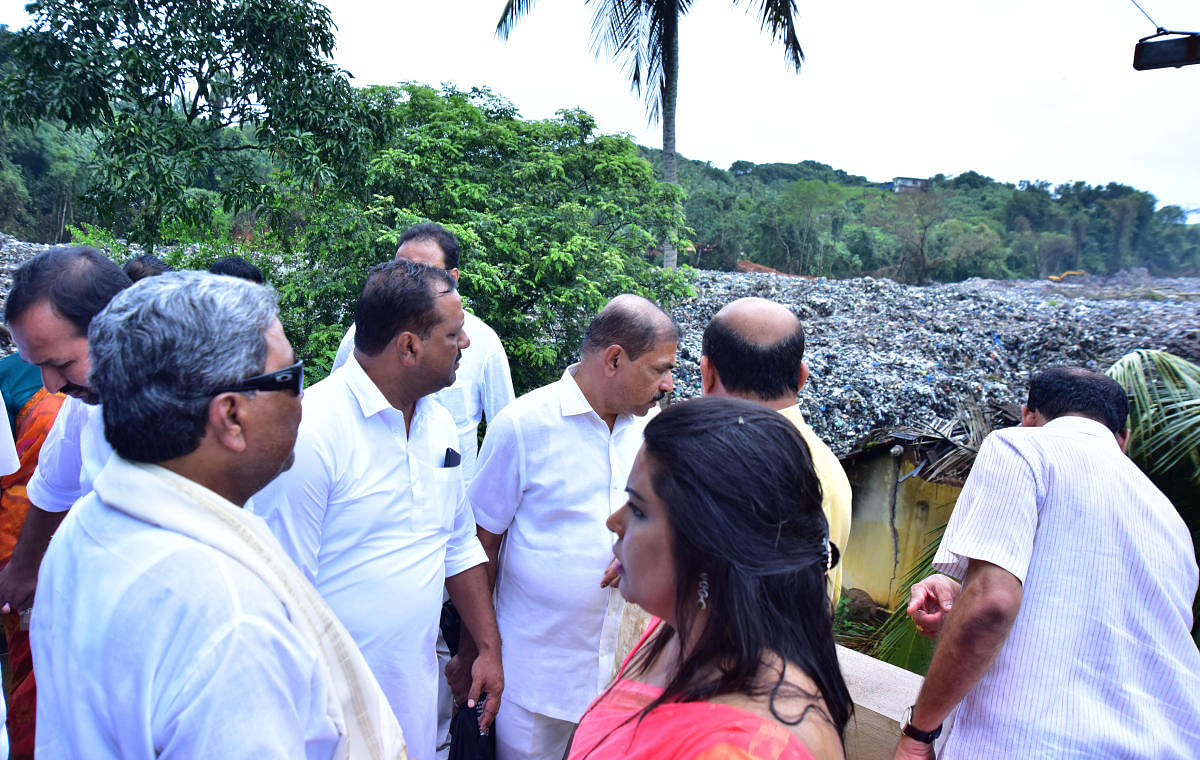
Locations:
(670, 92)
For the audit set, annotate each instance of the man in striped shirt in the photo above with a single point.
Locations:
(1069, 635)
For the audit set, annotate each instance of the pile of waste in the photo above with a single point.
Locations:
(885, 355)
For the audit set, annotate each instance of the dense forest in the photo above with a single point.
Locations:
(224, 127)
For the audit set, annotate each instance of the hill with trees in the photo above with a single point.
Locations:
(811, 219)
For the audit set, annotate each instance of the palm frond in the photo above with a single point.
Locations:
(897, 640)
(512, 13)
(1164, 409)
(779, 19)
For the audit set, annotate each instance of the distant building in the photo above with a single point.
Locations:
(910, 185)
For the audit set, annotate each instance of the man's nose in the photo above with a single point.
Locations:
(463, 340)
(53, 380)
(668, 383)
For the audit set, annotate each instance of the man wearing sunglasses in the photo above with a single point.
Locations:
(168, 619)
(374, 510)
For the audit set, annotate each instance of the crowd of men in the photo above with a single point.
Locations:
(242, 566)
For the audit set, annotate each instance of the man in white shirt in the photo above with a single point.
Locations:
(1069, 636)
(552, 469)
(374, 510)
(53, 299)
(483, 384)
(169, 622)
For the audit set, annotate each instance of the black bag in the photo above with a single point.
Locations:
(465, 741)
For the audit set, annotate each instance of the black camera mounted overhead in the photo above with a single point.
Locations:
(1183, 49)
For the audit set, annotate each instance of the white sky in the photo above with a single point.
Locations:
(1020, 89)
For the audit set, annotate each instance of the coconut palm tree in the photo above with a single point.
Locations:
(645, 34)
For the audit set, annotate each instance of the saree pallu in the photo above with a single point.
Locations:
(32, 424)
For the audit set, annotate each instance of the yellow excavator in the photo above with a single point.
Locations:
(1066, 274)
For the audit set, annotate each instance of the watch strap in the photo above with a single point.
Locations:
(912, 732)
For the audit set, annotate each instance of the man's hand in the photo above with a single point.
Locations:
(929, 601)
(487, 676)
(17, 586)
(458, 676)
(611, 576)
(18, 580)
(911, 749)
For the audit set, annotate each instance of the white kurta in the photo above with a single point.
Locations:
(149, 644)
(72, 456)
(378, 524)
(481, 385)
(1099, 662)
(551, 473)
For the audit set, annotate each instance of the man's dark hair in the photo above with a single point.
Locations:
(79, 281)
(1074, 390)
(398, 297)
(146, 265)
(236, 266)
(437, 233)
(634, 329)
(747, 367)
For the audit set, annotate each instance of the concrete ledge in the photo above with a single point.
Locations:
(881, 692)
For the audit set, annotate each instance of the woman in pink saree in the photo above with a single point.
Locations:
(723, 539)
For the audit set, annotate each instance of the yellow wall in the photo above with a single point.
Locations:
(876, 561)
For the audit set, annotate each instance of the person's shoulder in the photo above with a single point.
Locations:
(477, 329)
(539, 400)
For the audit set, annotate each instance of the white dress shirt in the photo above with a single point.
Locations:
(551, 473)
(481, 385)
(372, 516)
(74, 453)
(149, 644)
(1099, 662)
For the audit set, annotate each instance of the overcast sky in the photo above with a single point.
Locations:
(1020, 89)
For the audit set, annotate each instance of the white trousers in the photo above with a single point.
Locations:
(525, 735)
(445, 700)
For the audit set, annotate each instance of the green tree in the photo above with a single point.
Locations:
(645, 35)
(160, 83)
(912, 219)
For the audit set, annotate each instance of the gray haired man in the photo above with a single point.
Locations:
(166, 615)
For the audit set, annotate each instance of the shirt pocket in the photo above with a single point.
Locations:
(435, 499)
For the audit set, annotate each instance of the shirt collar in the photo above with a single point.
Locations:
(570, 395)
(370, 399)
(1083, 425)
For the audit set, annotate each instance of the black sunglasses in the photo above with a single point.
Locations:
(286, 379)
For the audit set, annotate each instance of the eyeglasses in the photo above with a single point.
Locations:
(286, 379)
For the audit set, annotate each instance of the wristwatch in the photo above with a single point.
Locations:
(912, 732)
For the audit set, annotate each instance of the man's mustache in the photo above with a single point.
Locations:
(80, 392)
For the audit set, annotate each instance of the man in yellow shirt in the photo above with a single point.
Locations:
(754, 350)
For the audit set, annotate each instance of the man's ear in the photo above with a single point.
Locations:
(407, 346)
(1123, 439)
(225, 421)
(613, 356)
(710, 381)
(453, 273)
(803, 378)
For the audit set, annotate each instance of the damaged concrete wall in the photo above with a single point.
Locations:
(891, 522)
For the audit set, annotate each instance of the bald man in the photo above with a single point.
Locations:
(552, 469)
(754, 349)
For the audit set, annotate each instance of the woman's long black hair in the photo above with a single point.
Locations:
(745, 509)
